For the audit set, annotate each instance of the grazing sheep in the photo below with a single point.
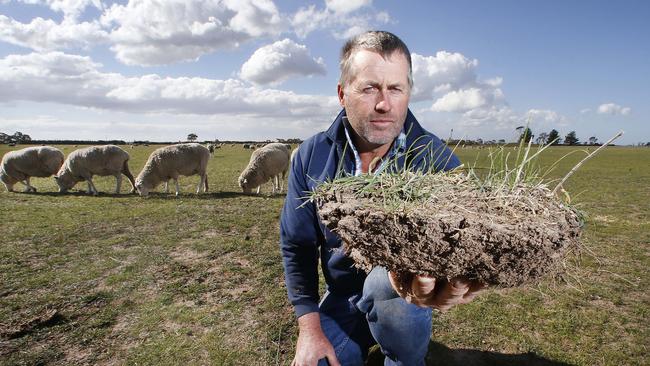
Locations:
(267, 162)
(172, 161)
(294, 152)
(20, 165)
(102, 160)
(211, 148)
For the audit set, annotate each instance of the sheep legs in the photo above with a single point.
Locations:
(28, 187)
(178, 188)
(91, 187)
(127, 172)
(118, 183)
(203, 183)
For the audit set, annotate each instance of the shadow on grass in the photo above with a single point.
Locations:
(158, 195)
(84, 194)
(439, 354)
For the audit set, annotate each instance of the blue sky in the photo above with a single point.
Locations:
(238, 69)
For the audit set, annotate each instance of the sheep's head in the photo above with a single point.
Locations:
(245, 185)
(64, 180)
(142, 188)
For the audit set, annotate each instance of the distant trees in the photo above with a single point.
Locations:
(192, 137)
(541, 138)
(553, 137)
(570, 138)
(526, 134)
(16, 138)
(290, 141)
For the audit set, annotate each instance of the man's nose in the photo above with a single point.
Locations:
(384, 104)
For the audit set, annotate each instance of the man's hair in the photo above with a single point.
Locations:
(381, 42)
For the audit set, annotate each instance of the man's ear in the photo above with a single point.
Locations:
(341, 94)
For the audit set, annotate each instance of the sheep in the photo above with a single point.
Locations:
(169, 162)
(20, 165)
(102, 160)
(211, 148)
(267, 162)
(293, 153)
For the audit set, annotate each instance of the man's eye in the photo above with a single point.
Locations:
(370, 89)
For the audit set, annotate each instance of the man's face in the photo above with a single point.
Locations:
(376, 97)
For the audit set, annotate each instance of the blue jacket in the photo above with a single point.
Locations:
(303, 237)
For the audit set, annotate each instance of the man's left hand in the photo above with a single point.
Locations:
(437, 294)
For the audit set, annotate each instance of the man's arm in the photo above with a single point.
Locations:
(299, 236)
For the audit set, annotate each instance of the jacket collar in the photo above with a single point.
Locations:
(412, 128)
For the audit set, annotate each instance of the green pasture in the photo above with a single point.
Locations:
(198, 279)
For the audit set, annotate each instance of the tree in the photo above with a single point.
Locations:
(542, 138)
(593, 140)
(526, 135)
(570, 138)
(192, 137)
(553, 137)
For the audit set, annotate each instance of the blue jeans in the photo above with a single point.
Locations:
(377, 315)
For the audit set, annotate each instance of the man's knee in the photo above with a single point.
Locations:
(402, 330)
(377, 286)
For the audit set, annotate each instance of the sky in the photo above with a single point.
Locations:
(265, 69)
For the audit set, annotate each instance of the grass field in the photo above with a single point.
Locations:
(197, 279)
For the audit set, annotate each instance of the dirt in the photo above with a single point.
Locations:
(500, 243)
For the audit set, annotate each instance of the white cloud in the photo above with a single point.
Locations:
(443, 72)
(342, 19)
(71, 9)
(277, 62)
(613, 109)
(346, 6)
(159, 32)
(463, 100)
(43, 35)
(585, 110)
(545, 118)
(75, 80)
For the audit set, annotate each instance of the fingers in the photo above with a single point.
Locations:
(451, 294)
(423, 286)
(331, 358)
(474, 289)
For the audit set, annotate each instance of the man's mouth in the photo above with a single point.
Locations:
(381, 122)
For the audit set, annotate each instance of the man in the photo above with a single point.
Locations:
(359, 310)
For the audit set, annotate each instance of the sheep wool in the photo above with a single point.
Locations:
(268, 162)
(20, 165)
(103, 160)
(170, 162)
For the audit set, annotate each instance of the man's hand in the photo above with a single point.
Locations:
(441, 294)
(312, 344)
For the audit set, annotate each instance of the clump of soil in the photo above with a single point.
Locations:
(447, 225)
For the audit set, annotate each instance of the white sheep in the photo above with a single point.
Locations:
(293, 153)
(103, 160)
(170, 162)
(266, 163)
(20, 165)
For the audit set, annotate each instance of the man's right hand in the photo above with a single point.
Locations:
(312, 344)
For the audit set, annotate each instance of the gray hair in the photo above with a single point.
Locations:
(382, 42)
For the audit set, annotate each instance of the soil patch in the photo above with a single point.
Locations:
(454, 229)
